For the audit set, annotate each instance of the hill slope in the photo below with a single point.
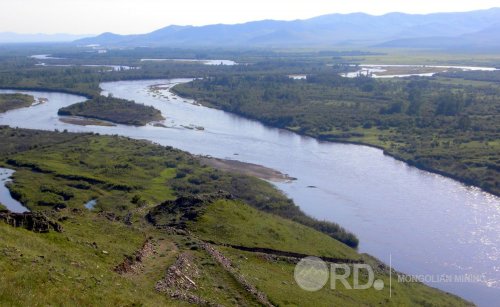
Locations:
(355, 29)
(112, 255)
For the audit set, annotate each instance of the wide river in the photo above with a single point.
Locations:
(427, 224)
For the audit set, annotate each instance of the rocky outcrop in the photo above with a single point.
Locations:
(132, 264)
(179, 281)
(290, 256)
(176, 213)
(34, 221)
(226, 263)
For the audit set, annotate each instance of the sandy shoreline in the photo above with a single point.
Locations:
(83, 121)
(246, 169)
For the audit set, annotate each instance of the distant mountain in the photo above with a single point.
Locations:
(356, 29)
(9, 37)
(488, 38)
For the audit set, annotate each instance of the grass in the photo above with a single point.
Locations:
(76, 267)
(72, 172)
(276, 279)
(15, 101)
(66, 269)
(115, 110)
(123, 174)
(236, 223)
(422, 57)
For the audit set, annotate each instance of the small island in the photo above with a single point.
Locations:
(120, 111)
(15, 101)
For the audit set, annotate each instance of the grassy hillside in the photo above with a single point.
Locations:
(72, 169)
(229, 222)
(112, 255)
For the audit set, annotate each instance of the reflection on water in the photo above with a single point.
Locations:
(430, 224)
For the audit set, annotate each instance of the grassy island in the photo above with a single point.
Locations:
(115, 110)
(15, 101)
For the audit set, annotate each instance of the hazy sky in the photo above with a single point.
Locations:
(140, 16)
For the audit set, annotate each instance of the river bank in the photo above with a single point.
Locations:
(250, 169)
(384, 201)
(450, 169)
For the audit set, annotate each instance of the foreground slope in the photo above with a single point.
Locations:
(151, 239)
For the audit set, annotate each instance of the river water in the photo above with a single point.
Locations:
(375, 70)
(426, 223)
(5, 197)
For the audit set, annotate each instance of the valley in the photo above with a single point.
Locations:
(209, 164)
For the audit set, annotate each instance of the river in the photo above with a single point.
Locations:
(426, 223)
(402, 71)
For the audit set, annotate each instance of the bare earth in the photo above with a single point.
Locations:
(239, 167)
(84, 121)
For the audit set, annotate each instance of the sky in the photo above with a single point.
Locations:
(142, 16)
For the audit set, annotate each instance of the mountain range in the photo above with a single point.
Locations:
(394, 30)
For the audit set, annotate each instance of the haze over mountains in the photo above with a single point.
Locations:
(440, 30)
(476, 30)
(10, 37)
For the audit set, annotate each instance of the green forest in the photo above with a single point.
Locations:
(437, 125)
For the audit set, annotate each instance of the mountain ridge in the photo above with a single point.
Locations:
(359, 29)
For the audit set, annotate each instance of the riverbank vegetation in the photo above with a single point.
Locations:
(160, 234)
(115, 110)
(234, 239)
(116, 170)
(447, 128)
(15, 101)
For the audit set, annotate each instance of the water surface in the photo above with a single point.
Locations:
(205, 62)
(374, 70)
(91, 204)
(5, 197)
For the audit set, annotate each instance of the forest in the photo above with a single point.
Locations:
(452, 129)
